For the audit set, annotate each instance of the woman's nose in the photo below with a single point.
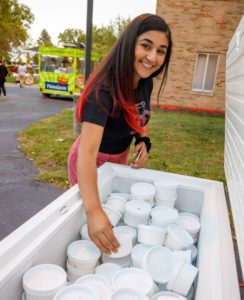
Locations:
(152, 56)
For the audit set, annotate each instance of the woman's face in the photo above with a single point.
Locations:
(150, 53)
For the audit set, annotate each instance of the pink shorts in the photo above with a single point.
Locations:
(121, 158)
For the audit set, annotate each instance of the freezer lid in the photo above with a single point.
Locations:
(234, 133)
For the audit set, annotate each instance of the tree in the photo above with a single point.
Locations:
(119, 25)
(70, 35)
(15, 20)
(35, 59)
(103, 37)
(28, 58)
(44, 39)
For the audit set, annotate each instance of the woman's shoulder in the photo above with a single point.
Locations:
(102, 97)
(101, 91)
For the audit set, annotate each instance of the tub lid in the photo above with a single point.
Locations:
(107, 270)
(126, 196)
(122, 261)
(152, 228)
(179, 266)
(164, 213)
(83, 250)
(160, 262)
(138, 208)
(181, 235)
(167, 295)
(98, 283)
(139, 251)
(44, 280)
(128, 294)
(110, 210)
(118, 197)
(134, 278)
(189, 222)
(76, 291)
(130, 230)
(143, 190)
(123, 234)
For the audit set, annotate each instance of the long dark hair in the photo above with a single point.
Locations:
(117, 69)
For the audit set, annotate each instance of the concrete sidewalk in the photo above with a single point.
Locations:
(21, 196)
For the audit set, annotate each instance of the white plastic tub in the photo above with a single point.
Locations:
(126, 293)
(73, 273)
(134, 278)
(163, 216)
(143, 191)
(43, 281)
(76, 291)
(138, 253)
(151, 235)
(136, 212)
(46, 236)
(160, 263)
(97, 283)
(124, 238)
(190, 223)
(83, 255)
(178, 238)
(181, 282)
(167, 296)
(107, 270)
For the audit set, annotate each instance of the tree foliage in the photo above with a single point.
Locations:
(15, 20)
(103, 37)
(44, 39)
(70, 35)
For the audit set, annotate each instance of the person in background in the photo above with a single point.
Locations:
(3, 75)
(52, 66)
(22, 73)
(69, 68)
(114, 109)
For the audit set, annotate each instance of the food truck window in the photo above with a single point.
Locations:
(57, 64)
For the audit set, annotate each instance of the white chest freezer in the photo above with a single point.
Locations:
(45, 237)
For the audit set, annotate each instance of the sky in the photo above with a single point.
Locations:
(56, 15)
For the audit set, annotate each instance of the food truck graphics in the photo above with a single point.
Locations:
(62, 70)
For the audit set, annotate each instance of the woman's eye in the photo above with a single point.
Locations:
(161, 52)
(146, 46)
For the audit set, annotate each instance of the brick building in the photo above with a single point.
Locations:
(201, 32)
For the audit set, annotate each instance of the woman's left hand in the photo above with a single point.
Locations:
(140, 156)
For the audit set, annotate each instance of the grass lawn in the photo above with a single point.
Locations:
(182, 143)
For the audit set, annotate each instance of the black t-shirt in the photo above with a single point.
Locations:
(117, 135)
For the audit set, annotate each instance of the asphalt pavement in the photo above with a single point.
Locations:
(21, 195)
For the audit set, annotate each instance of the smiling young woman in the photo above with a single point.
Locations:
(150, 52)
(114, 109)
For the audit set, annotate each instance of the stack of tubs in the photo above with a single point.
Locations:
(157, 253)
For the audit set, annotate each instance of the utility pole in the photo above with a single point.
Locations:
(88, 38)
(76, 126)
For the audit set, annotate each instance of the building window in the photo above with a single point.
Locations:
(205, 73)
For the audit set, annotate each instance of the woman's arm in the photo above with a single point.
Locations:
(99, 226)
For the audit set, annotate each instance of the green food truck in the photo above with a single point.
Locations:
(62, 70)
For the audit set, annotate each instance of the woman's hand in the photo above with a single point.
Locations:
(100, 231)
(140, 156)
